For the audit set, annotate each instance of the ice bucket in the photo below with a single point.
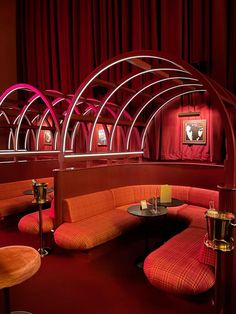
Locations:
(40, 192)
(220, 228)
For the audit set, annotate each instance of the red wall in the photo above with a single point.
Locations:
(8, 44)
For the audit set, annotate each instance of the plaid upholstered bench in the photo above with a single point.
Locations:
(92, 219)
(12, 199)
(183, 265)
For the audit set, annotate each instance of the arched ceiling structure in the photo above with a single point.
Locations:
(134, 88)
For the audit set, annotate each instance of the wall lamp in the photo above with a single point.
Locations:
(189, 114)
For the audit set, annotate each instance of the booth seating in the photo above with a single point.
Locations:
(17, 264)
(177, 267)
(12, 199)
(30, 222)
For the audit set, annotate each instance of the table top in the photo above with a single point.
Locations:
(149, 212)
(31, 192)
(174, 202)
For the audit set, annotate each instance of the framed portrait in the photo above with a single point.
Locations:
(194, 132)
(102, 140)
(47, 140)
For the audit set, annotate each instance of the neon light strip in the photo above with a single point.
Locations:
(114, 90)
(10, 136)
(103, 154)
(168, 101)
(36, 152)
(149, 101)
(96, 75)
(56, 101)
(73, 135)
(26, 139)
(29, 88)
(21, 118)
(136, 94)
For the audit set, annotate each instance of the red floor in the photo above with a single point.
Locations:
(104, 280)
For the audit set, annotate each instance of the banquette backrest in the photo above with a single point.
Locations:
(84, 206)
(15, 189)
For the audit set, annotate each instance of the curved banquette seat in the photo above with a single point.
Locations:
(181, 266)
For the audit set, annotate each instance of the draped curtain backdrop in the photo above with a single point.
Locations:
(59, 42)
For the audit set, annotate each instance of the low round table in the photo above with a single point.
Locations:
(147, 214)
(174, 202)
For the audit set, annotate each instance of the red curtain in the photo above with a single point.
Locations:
(61, 41)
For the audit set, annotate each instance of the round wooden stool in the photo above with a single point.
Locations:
(17, 264)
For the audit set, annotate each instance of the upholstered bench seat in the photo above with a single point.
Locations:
(88, 233)
(30, 222)
(175, 266)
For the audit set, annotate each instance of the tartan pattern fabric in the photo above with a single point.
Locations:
(13, 205)
(201, 197)
(94, 231)
(123, 195)
(144, 192)
(173, 211)
(85, 206)
(194, 215)
(30, 223)
(206, 255)
(180, 192)
(175, 267)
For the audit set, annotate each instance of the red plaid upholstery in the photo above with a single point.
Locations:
(175, 267)
(206, 255)
(30, 223)
(96, 230)
(201, 197)
(85, 206)
(194, 215)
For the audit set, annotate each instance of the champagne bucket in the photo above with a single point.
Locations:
(40, 192)
(220, 228)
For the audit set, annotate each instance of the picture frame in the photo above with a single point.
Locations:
(194, 132)
(47, 138)
(102, 140)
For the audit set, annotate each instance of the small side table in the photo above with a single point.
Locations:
(146, 214)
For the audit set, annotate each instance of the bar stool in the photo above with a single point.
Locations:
(17, 264)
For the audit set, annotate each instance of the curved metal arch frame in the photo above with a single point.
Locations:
(36, 94)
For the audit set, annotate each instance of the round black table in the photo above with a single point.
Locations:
(174, 202)
(146, 214)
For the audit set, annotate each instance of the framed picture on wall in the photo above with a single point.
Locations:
(194, 132)
(47, 140)
(102, 140)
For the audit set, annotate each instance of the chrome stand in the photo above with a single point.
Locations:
(40, 198)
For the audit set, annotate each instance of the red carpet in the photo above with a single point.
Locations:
(102, 281)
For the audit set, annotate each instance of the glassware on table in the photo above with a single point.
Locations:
(211, 205)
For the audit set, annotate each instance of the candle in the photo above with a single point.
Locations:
(165, 194)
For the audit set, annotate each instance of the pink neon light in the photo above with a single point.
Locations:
(54, 103)
(168, 101)
(29, 88)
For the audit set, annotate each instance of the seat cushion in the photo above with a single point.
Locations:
(30, 223)
(175, 267)
(193, 215)
(18, 263)
(96, 230)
